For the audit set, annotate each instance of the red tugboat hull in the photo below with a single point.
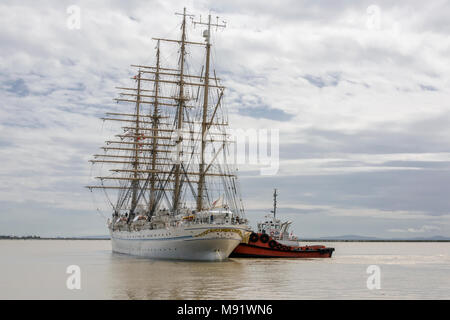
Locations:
(261, 245)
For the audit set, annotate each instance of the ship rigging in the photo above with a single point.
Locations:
(169, 164)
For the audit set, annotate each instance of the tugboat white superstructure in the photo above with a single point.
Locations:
(277, 229)
(169, 162)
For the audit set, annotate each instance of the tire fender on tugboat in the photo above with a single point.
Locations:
(264, 238)
(272, 243)
(254, 237)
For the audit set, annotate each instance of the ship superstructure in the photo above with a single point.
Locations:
(172, 191)
(277, 229)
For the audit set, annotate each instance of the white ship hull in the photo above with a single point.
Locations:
(208, 242)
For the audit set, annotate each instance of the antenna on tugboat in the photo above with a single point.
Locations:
(274, 211)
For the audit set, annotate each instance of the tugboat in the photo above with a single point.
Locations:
(273, 240)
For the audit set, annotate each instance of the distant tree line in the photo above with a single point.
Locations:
(20, 237)
(3, 237)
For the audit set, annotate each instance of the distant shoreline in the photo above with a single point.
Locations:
(375, 240)
(50, 238)
(301, 240)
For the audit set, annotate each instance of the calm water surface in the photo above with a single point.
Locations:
(36, 269)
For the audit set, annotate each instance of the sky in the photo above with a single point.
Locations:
(358, 91)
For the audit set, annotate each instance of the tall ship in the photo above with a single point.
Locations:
(165, 173)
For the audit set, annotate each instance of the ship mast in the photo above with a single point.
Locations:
(155, 120)
(135, 182)
(205, 124)
(180, 114)
(141, 164)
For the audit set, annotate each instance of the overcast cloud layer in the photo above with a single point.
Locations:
(358, 89)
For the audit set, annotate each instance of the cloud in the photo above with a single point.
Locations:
(362, 113)
(320, 82)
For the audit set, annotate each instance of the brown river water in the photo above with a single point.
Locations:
(37, 269)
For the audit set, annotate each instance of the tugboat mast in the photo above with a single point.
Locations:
(274, 203)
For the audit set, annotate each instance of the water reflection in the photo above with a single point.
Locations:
(137, 278)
